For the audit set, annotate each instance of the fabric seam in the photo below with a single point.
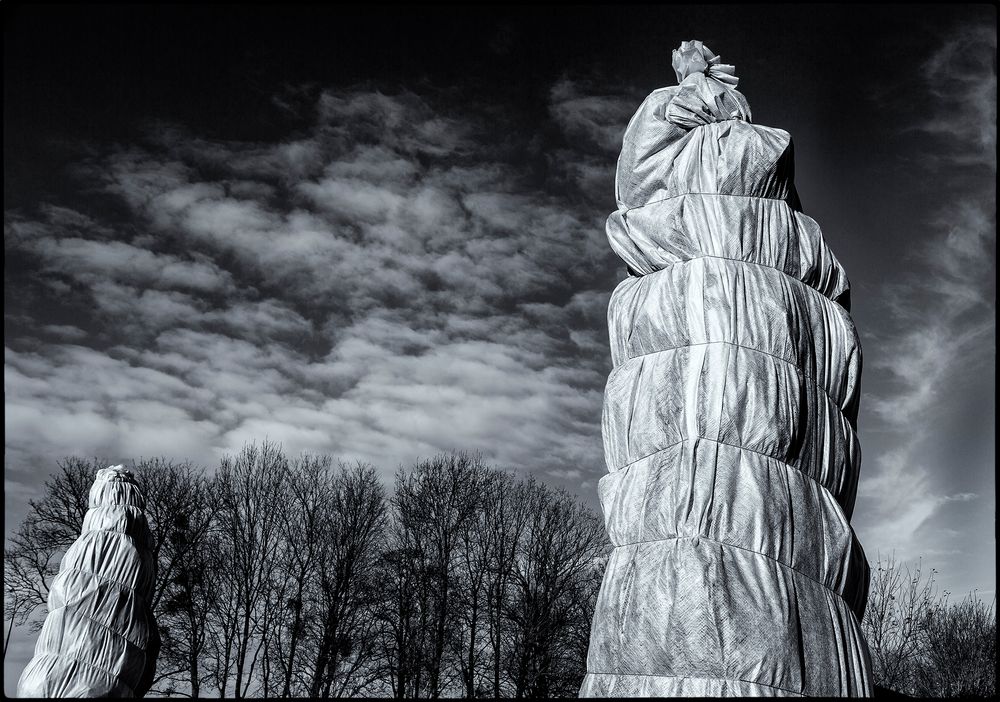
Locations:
(748, 550)
(723, 443)
(699, 677)
(801, 372)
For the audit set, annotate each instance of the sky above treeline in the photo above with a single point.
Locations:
(379, 234)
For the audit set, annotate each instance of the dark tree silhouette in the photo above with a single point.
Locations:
(923, 645)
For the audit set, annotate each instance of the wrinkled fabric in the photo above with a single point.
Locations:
(755, 230)
(707, 88)
(99, 638)
(730, 418)
(694, 57)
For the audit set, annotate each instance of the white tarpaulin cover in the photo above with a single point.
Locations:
(729, 418)
(99, 638)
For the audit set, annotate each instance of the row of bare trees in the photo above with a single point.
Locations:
(306, 577)
(921, 644)
(303, 576)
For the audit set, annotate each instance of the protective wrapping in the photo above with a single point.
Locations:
(729, 417)
(99, 638)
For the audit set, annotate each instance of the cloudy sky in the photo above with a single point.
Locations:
(380, 235)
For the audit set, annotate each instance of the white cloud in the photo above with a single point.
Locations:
(936, 353)
(961, 75)
(386, 286)
(906, 523)
(599, 119)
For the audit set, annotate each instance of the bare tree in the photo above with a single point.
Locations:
(223, 621)
(489, 548)
(309, 490)
(250, 488)
(352, 539)
(960, 657)
(187, 610)
(920, 643)
(22, 587)
(506, 510)
(434, 505)
(66, 498)
(899, 601)
(403, 613)
(559, 555)
(53, 523)
(478, 558)
(180, 508)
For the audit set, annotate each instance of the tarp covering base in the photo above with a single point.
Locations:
(729, 417)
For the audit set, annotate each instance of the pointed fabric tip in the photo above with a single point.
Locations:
(694, 57)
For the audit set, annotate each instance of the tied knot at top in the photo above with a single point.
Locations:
(707, 91)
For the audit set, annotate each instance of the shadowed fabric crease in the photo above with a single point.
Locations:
(729, 417)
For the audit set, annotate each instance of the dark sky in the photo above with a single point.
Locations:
(379, 233)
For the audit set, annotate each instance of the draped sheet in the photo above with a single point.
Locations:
(729, 418)
(99, 638)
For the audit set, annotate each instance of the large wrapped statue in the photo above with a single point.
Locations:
(99, 638)
(729, 418)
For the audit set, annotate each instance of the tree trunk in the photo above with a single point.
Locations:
(296, 623)
(241, 652)
(193, 654)
(470, 689)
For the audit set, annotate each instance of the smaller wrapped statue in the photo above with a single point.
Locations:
(99, 638)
